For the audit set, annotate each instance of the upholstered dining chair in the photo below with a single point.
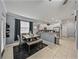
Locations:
(20, 41)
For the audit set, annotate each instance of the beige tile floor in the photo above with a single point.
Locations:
(65, 50)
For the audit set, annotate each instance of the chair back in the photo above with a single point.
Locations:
(19, 38)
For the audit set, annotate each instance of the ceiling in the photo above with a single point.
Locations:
(42, 9)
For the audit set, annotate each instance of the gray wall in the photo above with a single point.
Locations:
(11, 21)
(71, 29)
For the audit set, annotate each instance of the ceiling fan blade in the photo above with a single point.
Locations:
(50, 0)
(65, 2)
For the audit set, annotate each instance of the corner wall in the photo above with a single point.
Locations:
(68, 29)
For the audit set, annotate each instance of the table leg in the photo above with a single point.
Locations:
(29, 49)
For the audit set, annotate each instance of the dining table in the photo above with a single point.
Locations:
(32, 39)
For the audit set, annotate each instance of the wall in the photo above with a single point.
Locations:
(68, 29)
(11, 21)
(71, 29)
(2, 26)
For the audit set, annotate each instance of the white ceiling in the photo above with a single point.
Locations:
(42, 9)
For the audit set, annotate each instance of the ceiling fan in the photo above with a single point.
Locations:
(50, 0)
(65, 1)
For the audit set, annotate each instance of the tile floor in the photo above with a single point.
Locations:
(65, 50)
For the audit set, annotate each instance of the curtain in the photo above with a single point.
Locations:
(17, 29)
(31, 27)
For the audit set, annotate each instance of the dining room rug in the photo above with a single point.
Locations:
(21, 51)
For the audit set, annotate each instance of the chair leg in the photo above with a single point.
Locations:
(41, 46)
(19, 47)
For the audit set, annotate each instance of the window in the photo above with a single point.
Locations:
(24, 27)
